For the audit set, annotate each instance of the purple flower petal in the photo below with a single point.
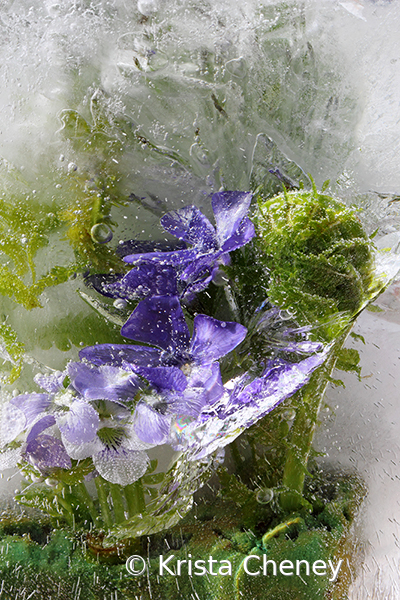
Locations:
(100, 283)
(145, 279)
(103, 383)
(204, 389)
(213, 339)
(241, 237)
(51, 383)
(82, 451)
(158, 321)
(118, 354)
(151, 426)
(31, 405)
(46, 452)
(145, 247)
(189, 224)
(164, 378)
(44, 423)
(229, 208)
(175, 258)
(82, 423)
(220, 424)
(13, 422)
(202, 268)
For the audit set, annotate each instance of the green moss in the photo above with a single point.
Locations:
(320, 260)
(56, 564)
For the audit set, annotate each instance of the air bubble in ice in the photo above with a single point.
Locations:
(220, 278)
(289, 414)
(264, 495)
(120, 303)
(147, 7)
(101, 233)
(51, 482)
(237, 67)
(72, 167)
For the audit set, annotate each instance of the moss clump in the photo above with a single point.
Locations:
(319, 258)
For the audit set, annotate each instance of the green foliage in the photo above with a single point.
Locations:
(173, 501)
(348, 359)
(320, 260)
(25, 229)
(12, 351)
(61, 497)
(357, 336)
(374, 308)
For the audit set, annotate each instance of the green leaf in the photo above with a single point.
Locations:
(374, 308)
(11, 351)
(153, 479)
(348, 360)
(357, 336)
(337, 382)
(325, 185)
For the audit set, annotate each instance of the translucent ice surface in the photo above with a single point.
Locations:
(362, 437)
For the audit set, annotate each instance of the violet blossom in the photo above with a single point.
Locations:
(80, 421)
(186, 271)
(243, 403)
(182, 370)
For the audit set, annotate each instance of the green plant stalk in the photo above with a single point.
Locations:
(88, 501)
(134, 495)
(118, 503)
(68, 512)
(303, 430)
(102, 492)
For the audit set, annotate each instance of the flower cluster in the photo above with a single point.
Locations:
(166, 387)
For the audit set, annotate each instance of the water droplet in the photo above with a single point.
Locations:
(51, 482)
(237, 67)
(289, 414)
(220, 278)
(101, 233)
(197, 151)
(265, 495)
(120, 303)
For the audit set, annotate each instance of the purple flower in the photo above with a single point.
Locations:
(159, 321)
(187, 271)
(84, 420)
(118, 454)
(242, 404)
(27, 412)
(183, 370)
(104, 382)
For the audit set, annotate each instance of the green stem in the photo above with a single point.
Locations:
(303, 429)
(118, 503)
(102, 492)
(134, 495)
(68, 512)
(88, 502)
